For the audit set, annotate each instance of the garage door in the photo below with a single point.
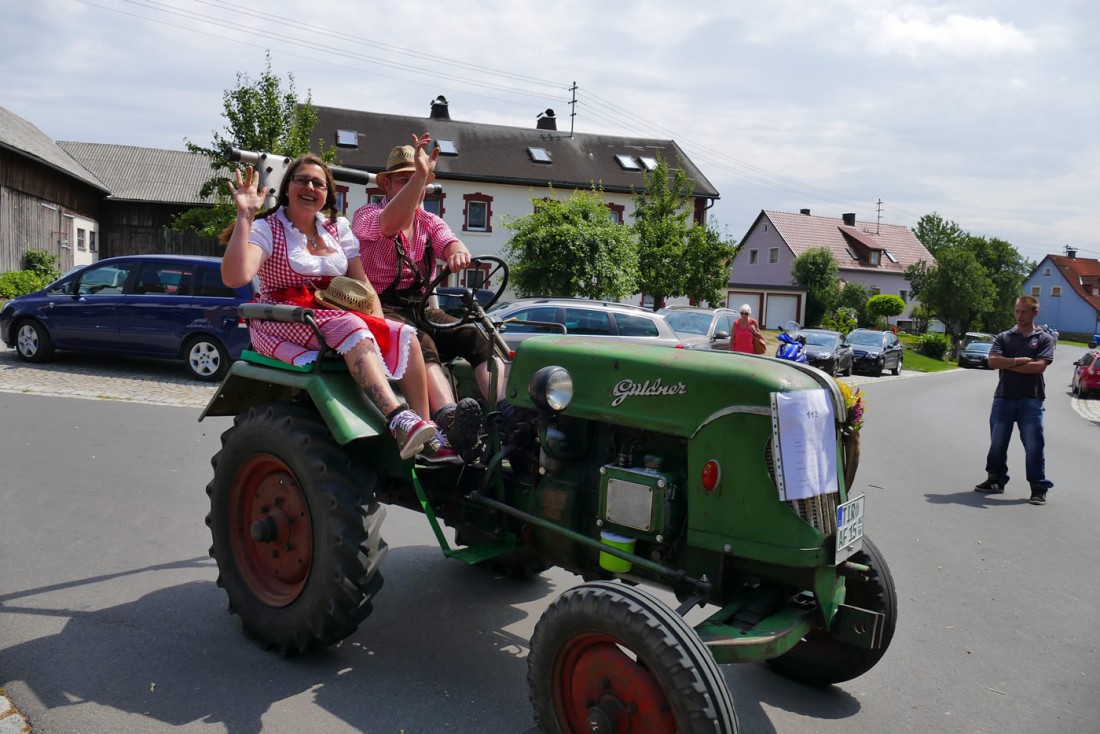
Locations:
(779, 310)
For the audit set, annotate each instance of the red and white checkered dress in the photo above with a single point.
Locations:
(343, 330)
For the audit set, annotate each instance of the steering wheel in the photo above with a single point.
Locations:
(472, 310)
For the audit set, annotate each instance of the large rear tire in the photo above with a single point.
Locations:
(295, 528)
(611, 658)
(821, 659)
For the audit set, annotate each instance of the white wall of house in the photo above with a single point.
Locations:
(765, 259)
(84, 240)
(505, 203)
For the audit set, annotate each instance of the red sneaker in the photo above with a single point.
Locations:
(438, 450)
(411, 433)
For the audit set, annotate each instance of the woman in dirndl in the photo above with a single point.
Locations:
(294, 251)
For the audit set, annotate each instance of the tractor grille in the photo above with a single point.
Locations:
(818, 512)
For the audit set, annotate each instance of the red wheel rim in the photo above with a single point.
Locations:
(270, 530)
(599, 689)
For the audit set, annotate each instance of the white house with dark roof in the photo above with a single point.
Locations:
(874, 254)
(490, 173)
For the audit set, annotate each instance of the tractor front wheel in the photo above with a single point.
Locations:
(613, 659)
(821, 659)
(295, 528)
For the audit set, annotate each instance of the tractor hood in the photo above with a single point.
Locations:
(666, 390)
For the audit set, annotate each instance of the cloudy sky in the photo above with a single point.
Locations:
(984, 111)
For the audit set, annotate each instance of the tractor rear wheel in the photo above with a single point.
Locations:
(611, 658)
(295, 528)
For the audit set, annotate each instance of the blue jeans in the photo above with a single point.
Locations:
(1027, 413)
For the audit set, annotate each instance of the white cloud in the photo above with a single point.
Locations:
(921, 33)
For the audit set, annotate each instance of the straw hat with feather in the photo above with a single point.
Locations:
(348, 294)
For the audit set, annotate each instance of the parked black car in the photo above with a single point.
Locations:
(975, 354)
(168, 306)
(875, 351)
(828, 350)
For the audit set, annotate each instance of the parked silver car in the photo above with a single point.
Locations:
(701, 328)
(529, 317)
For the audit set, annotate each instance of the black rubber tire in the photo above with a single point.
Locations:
(821, 659)
(32, 342)
(280, 457)
(897, 370)
(832, 369)
(592, 621)
(206, 358)
(851, 369)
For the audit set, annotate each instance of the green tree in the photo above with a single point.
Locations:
(1007, 270)
(572, 248)
(854, 296)
(936, 233)
(662, 226)
(816, 271)
(707, 257)
(958, 289)
(261, 116)
(885, 306)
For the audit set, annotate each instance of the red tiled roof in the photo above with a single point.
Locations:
(1079, 272)
(803, 232)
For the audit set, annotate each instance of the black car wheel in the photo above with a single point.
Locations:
(206, 358)
(897, 368)
(33, 342)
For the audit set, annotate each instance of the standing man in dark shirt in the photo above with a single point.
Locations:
(1021, 354)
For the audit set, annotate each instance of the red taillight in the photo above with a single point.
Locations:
(680, 346)
(712, 474)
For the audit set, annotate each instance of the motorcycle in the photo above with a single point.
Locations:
(792, 344)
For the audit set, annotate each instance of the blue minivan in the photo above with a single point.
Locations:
(167, 306)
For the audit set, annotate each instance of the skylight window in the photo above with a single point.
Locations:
(649, 162)
(891, 257)
(852, 253)
(628, 162)
(539, 155)
(446, 147)
(347, 139)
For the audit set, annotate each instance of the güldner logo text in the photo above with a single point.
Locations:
(629, 388)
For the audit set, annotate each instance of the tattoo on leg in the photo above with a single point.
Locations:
(377, 394)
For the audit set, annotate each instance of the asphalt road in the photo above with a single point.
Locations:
(110, 620)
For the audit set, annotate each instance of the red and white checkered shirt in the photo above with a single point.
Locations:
(378, 254)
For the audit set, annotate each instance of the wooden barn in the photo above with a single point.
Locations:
(87, 201)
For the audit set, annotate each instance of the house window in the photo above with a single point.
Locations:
(649, 163)
(434, 204)
(478, 213)
(376, 198)
(874, 256)
(773, 255)
(81, 244)
(852, 254)
(875, 290)
(617, 212)
(1036, 290)
(890, 256)
(1046, 271)
(904, 294)
(753, 254)
(1056, 291)
(91, 241)
(341, 199)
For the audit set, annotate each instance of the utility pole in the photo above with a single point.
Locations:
(878, 216)
(573, 107)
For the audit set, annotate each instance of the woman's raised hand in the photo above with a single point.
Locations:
(246, 193)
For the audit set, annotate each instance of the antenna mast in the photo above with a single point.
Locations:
(573, 106)
(878, 216)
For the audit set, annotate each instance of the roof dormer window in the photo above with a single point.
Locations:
(873, 256)
(628, 162)
(347, 139)
(539, 155)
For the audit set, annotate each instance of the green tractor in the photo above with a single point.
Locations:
(718, 477)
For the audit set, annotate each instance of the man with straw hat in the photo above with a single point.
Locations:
(400, 243)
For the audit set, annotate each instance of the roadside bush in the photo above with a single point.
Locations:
(41, 263)
(843, 319)
(933, 345)
(18, 282)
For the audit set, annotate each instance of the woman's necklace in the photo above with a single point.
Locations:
(315, 244)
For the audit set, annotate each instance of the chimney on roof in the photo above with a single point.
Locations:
(439, 109)
(849, 219)
(1071, 252)
(546, 120)
(805, 212)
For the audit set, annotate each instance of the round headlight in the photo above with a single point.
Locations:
(551, 389)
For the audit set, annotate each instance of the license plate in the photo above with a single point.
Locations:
(849, 528)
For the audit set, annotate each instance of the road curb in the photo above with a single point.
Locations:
(12, 720)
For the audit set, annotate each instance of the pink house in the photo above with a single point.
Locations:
(865, 252)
